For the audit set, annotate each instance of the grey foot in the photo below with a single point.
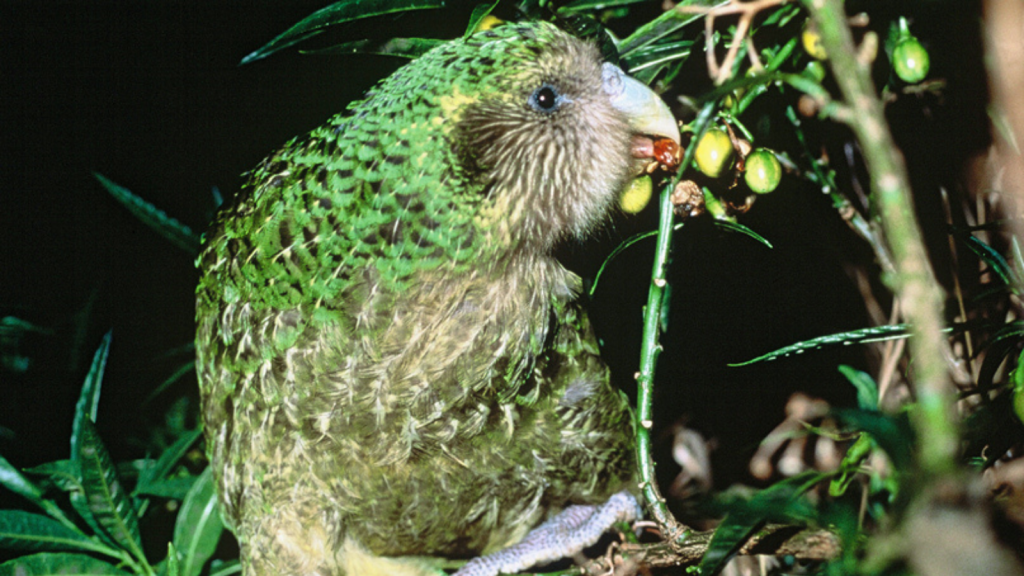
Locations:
(566, 534)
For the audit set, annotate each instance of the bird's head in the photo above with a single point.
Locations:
(539, 129)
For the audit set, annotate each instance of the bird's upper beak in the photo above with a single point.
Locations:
(647, 113)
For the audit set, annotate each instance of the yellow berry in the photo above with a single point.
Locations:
(488, 22)
(714, 152)
(637, 195)
(811, 40)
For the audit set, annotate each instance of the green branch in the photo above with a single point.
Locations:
(673, 530)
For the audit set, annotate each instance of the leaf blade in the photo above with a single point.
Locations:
(862, 336)
(170, 228)
(106, 497)
(12, 479)
(166, 462)
(588, 5)
(65, 564)
(337, 13)
(21, 530)
(480, 11)
(398, 47)
(867, 388)
(89, 397)
(667, 23)
(198, 527)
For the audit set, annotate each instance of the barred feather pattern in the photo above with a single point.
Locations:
(388, 353)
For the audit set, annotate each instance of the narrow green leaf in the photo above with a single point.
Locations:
(862, 336)
(168, 459)
(225, 568)
(648, 74)
(187, 349)
(172, 568)
(89, 398)
(50, 563)
(21, 530)
(994, 259)
(667, 23)
(198, 527)
(781, 15)
(81, 505)
(173, 488)
(893, 434)
(400, 47)
(867, 388)
(337, 13)
(780, 57)
(618, 250)
(657, 54)
(587, 5)
(741, 229)
(804, 84)
(182, 371)
(999, 345)
(12, 479)
(728, 226)
(1010, 331)
(480, 11)
(780, 502)
(12, 331)
(850, 465)
(730, 535)
(106, 497)
(14, 327)
(63, 474)
(179, 234)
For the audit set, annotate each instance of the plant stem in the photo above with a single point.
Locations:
(913, 282)
(673, 530)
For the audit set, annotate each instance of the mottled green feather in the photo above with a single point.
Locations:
(390, 358)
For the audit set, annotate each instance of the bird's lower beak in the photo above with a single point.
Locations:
(647, 114)
(652, 123)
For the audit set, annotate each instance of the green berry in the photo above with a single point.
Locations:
(763, 171)
(714, 152)
(815, 70)
(910, 60)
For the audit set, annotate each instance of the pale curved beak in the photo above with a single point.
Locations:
(646, 111)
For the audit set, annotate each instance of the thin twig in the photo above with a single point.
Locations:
(755, 60)
(747, 11)
(709, 45)
(887, 373)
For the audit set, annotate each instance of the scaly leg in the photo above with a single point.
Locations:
(566, 534)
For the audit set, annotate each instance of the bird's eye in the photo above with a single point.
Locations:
(546, 99)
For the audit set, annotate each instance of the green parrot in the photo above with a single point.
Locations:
(392, 363)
